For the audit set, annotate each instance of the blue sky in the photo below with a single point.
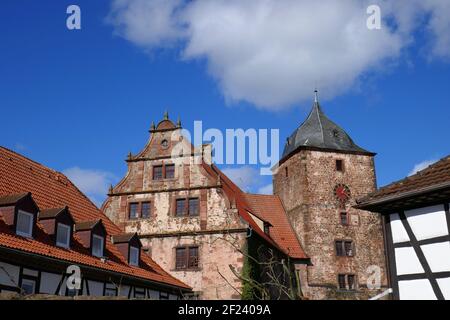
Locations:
(79, 101)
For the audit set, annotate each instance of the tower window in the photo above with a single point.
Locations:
(286, 172)
(339, 165)
(346, 282)
(344, 218)
(344, 248)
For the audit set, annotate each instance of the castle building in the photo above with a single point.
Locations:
(49, 229)
(320, 174)
(199, 226)
(416, 217)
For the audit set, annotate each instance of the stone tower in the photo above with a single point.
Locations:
(320, 174)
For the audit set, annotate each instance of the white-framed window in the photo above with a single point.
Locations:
(97, 245)
(63, 235)
(24, 225)
(28, 286)
(134, 256)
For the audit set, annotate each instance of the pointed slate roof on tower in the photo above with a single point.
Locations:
(317, 131)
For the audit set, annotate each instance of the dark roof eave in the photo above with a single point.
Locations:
(299, 148)
(401, 196)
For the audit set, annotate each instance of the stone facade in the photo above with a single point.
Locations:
(305, 182)
(217, 230)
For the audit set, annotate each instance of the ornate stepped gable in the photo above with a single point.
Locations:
(158, 176)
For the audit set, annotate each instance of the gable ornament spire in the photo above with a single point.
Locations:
(316, 96)
(166, 115)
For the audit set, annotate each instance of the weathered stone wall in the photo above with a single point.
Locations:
(214, 278)
(308, 195)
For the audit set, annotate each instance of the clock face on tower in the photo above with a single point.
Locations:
(342, 192)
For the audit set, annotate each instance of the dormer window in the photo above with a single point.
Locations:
(58, 223)
(134, 256)
(63, 235)
(19, 211)
(24, 225)
(92, 235)
(97, 245)
(130, 247)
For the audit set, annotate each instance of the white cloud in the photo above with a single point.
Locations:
(273, 52)
(268, 189)
(93, 183)
(420, 166)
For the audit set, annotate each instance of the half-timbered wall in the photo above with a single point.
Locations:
(419, 250)
(12, 275)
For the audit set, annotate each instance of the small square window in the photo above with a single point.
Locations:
(133, 214)
(97, 245)
(170, 171)
(193, 257)
(134, 256)
(339, 165)
(25, 224)
(342, 282)
(351, 281)
(28, 286)
(63, 235)
(157, 173)
(180, 258)
(145, 209)
(193, 207)
(344, 248)
(347, 282)
(344, 218)
(181, 207)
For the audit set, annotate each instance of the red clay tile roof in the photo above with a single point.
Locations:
(270, 208)
(437, 174)
(280, 229)
(51, 189)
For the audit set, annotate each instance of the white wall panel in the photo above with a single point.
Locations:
(123, 291)
(95, 288)
(428, 222)
(9, 274)
(398, 231)
(154, 295)
(444, 284)
(406, 261)
(416, 290)
(438, 256)
(49, 282)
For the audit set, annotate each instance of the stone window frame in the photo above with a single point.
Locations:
(341, 166)
(139, 209)
(187, 213)
(353, 248)
(347, 288)
(187, 247)
(340, 213)
(163, 165)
